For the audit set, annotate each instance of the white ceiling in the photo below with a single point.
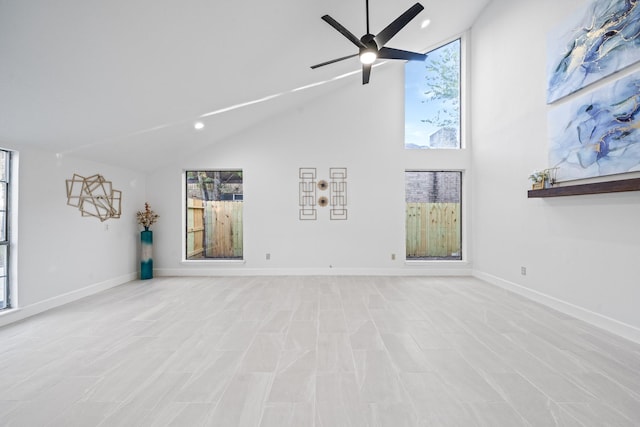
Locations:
(123, 81)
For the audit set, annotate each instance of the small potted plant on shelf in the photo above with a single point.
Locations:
(539, 178)
(147, 217)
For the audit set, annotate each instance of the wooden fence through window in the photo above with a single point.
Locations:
(433, 230)
(214, 229)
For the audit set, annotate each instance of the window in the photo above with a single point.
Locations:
(433, 226)
(432, 99)
(5, 160)
(214, 214)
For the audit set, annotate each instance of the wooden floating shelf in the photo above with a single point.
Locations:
(593, 188)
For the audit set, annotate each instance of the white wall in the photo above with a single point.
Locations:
(357, 127)
(582, 253)
(61, 255)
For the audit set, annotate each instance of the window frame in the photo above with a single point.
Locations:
(185, 209)
(462, 225)
(6, 280)
(462, 98)
(446, 159)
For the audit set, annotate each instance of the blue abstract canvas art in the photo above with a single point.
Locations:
(594, 43)
(598, 133)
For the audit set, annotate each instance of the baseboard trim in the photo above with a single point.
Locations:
(20, 313)
(603, 322)
(217, 272)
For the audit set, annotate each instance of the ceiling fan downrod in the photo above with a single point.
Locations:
(367, 7)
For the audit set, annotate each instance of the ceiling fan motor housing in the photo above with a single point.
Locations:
(369, 40)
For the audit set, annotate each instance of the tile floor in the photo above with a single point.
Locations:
(314, 351)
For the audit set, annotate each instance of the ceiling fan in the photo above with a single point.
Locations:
(372, 47)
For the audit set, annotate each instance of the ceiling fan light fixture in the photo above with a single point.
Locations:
(368, 56)
(372, 47)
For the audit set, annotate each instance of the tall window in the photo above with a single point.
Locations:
(433, 226)
(432, 99)
(5, 161)
(214, 214)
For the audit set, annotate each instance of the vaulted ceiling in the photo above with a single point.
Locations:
(113, 80)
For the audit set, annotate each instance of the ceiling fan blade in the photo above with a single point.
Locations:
(392, 29)
(366, 72)
(335, 24)
(334, 60)
(390, 53)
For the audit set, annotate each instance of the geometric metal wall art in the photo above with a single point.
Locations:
(307, 194)
(336, 200)
(94, 196)
(338, 193)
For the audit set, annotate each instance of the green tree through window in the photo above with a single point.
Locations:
(432, 99)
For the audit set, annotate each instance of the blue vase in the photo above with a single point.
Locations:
(146, 258)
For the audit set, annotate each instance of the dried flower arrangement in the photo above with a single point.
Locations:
(147, 217)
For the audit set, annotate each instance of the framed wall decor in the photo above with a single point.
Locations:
(598, 133)
(595, 42)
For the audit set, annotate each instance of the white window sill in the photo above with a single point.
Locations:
(214, 261)
(8, 311)
(423, 262)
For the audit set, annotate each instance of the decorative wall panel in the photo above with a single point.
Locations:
(308, 193)
(94, 196)
(338, 193)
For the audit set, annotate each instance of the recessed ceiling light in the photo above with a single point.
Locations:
(198, 125)
(425, 23)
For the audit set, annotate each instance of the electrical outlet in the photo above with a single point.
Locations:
(268, 256)
(523, 271)
(393, 257)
